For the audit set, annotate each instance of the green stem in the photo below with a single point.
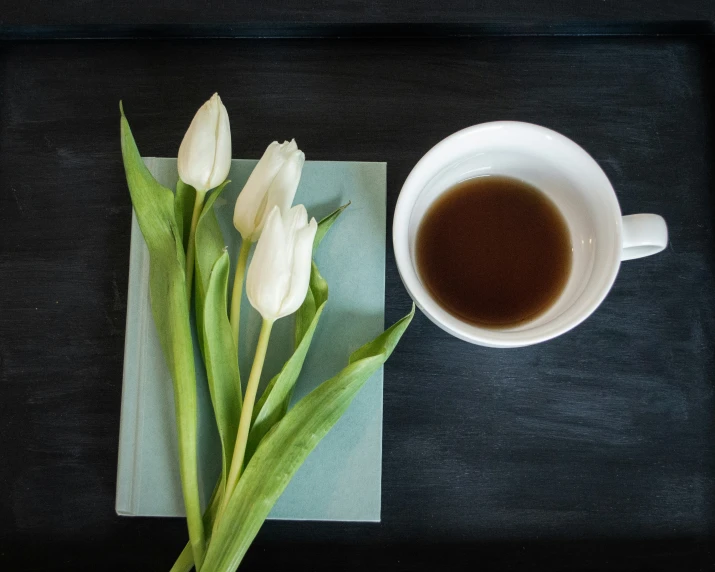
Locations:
(187, 454)
(189, 482)
(185, 561)
(191, 249)
(244, 423)
(237, 293)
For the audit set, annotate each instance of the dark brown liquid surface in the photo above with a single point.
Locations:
(494, 251)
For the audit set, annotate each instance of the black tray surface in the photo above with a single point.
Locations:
(592, 451)
(146, 13)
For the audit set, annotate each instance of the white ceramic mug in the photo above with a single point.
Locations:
(600, 236)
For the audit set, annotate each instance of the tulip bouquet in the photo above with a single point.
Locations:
(263, 442)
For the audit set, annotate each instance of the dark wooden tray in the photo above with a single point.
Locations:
(593, 451)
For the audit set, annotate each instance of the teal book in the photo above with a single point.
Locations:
(341, 479)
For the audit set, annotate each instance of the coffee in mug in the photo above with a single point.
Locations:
(494, 251)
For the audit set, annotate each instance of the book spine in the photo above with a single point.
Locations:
(131, 418)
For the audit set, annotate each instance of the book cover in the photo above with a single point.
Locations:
(341, 479)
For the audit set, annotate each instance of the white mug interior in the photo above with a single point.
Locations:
(557, 167)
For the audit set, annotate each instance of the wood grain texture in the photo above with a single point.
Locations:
(593, 450)
(207, 12)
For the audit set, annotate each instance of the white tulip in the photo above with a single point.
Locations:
(279, 273)
(205, 152)
(273, 182)
(277, 282)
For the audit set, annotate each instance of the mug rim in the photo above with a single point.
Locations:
(432, 162)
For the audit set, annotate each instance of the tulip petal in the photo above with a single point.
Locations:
(282, 189)
(294, 219)
(222, 158)
(268, 278)
(251, 201)
(300, 268)
(197, 152)
(273, 182)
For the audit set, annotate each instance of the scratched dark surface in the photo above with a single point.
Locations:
(143, 13)
(593, 451)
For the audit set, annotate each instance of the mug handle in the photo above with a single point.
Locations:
(643, 235)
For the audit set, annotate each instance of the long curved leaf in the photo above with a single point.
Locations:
(221, 362)
(154, 207)
(185, 560)
(274, 402)
(325, 224)
(304, 316)
(210, 245)
(286, 446)
(184, 198)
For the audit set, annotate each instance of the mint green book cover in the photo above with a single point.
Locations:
(341, 479)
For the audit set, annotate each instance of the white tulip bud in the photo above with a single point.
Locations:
(272, 183)
(205, 152)
(279, 274)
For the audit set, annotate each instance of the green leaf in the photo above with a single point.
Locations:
(210, 246)
(274, 402)
(318, 291)
(184, 198)
(210, 243)
(185, 561)
(315, 298)
(284, 449)
(305, 314)
(325, 224)
(221, 362)
(154, 207)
